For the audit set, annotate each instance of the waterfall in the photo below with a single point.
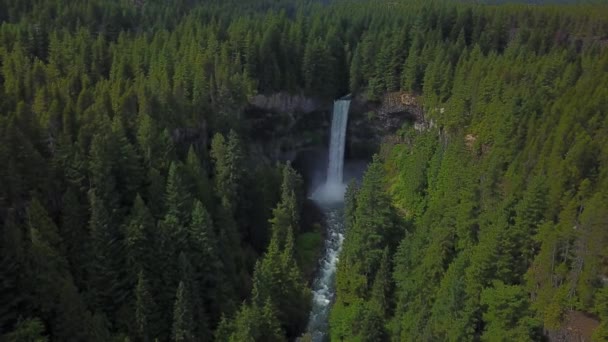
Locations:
(333, 189)
(338, 139)
(330, 197)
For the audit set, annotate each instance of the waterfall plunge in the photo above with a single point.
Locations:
(333, 189)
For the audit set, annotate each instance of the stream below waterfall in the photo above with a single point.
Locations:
(323, 286)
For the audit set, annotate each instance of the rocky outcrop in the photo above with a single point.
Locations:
(284, 123)
(371, 122)
(577, 327)
(402, 103)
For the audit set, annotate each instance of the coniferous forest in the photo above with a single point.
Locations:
(136, 204)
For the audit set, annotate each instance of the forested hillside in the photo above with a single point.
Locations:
(133, 205)
(490, 222)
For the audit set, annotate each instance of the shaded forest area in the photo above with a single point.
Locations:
(133, 206)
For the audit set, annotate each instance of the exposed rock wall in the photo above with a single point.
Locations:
(371, 122)
(577, 327)
(285, 123)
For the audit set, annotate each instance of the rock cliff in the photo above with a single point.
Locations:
(284, 124)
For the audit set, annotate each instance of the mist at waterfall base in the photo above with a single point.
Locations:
(329, 195)
(332, 191)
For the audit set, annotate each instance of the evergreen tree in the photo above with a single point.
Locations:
(182, 316)
(227, 155)
(508, 317)
(177, 197)
(277, 278)
(30, 330)
(75, 234)
(39, 220)
(204, 252)
(14, 273)
(381, 289)
(145, 309)
(252, 323)
(108, 284)
(198, 181)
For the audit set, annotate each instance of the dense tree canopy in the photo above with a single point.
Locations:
(497, 195)
(135, 204)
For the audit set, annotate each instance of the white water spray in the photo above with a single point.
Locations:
(333, 189)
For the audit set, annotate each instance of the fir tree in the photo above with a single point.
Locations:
(145, 309)
(182, 316)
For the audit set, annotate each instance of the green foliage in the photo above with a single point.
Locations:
(364, 283)
(307, 247)
(508, 316)
(277, 278)
(145, 309)
(139, 238)
(601, 308)
(31, 330)
(280, 299)
(497, 197)
(252, 323)
(227, 155)
(123, 145)
(182, 316)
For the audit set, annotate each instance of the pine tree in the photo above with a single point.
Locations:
(198, 181)
(30, 330)
(39, 219)
(13, 272)
(252, 323)
(227, 156)
(411, 77)
(381, 289)
(182, 316)
(508, 316)
(70, 312)
(75, 234)
(373, 216)
(55, 291)
(371, 326)
(102, 177)
(177, 197)
(108, 283)
(139, 239)
(193, 292)
(155, 193)
(601, 308)
(291, 195)
(350, 204)
(204, 253)
(127, 166)
(356, 77)
(145, 310)
(276, 277)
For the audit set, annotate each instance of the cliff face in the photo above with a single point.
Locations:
(284, 124)
(371, 122)
(577, 327)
